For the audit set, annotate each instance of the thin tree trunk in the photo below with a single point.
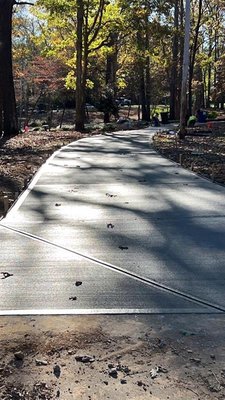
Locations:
(1, 120)
(142, 92)
(181, 54)
(110, 76)
(183, 107)
(173, 80)
(148, 88)
(10, 122)
(209, 83)
(199, 92)
(62, 117)
(193, 56)
(147, 70)
(111, 65)
(209, 71)
(80, 109)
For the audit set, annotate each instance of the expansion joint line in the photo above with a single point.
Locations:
(123, 271)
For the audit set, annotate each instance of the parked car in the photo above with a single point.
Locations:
(121, 101)
(90, 107)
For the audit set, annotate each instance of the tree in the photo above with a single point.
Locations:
(81, 67)
(89, 24)
(174, 66)
(193, 52)
(8, 120)
(183, 107)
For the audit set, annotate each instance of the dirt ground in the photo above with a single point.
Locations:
(118, 357)
(112, 357)
(205, 155)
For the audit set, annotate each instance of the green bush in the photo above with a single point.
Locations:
(212, 115)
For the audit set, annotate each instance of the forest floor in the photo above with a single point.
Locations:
(148, 357)
(205, 155)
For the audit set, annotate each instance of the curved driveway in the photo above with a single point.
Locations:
(140, 233)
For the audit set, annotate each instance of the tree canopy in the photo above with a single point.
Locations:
(87, 48)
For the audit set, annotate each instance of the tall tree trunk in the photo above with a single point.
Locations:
(193, 55)
(209, 71)
(148, 88)
(173, 79)
(111, 65)
(183, 106)
(209, 84)
(7, 92)
(181, 54)
(110, 76)
(199, 92)
(80, 106)
(1, 120)
(144, 70)
(147, 69)
(215, 49)
(144, 114)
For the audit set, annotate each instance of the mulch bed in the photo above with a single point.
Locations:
(204, 155)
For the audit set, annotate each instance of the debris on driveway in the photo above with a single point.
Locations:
(6, 275)
(110, 225)
(110, 195)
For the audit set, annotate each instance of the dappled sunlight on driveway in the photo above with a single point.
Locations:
(113, 199)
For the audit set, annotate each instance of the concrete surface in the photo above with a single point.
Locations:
(141, 233)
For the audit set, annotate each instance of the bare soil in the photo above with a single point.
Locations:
(134, 357)
(204, 155)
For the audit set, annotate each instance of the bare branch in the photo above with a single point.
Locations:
(99, 11)
(97, 22)
(105, 42)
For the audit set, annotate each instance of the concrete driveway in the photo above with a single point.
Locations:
(142, 234)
